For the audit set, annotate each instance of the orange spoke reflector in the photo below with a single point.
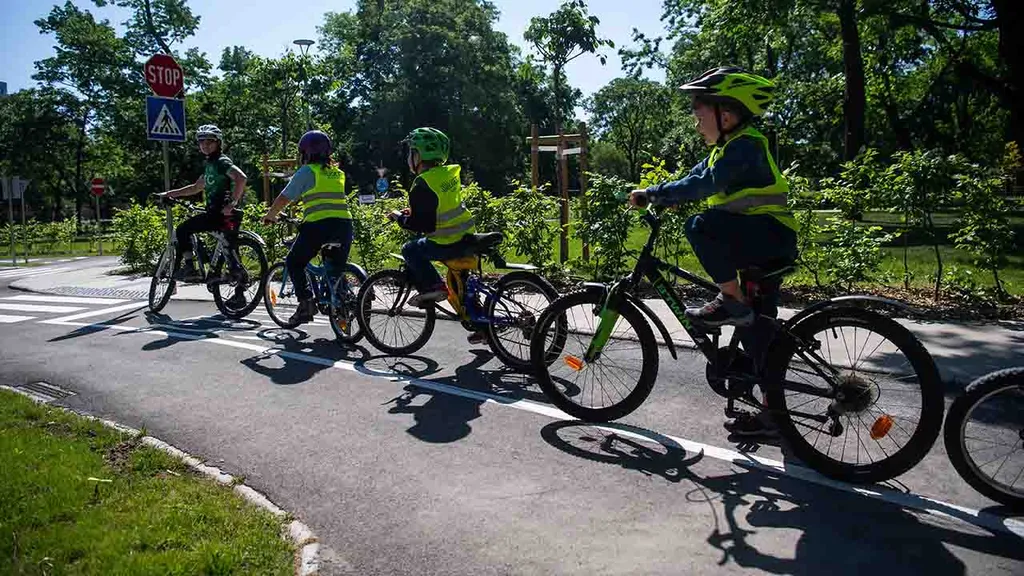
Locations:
(574, 363)
(881, 426)
(273, 297)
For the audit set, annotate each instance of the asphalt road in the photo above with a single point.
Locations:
(446, 463)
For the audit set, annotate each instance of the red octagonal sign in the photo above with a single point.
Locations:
(98, 186)
(164, 76)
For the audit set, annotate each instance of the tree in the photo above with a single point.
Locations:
(563, 36)
(631, 114)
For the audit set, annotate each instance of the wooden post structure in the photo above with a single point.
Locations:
(266, 179)
(535, 156)
(583, 180)
(563, 184)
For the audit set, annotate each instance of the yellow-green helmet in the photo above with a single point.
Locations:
(731, 85)
(431, 143)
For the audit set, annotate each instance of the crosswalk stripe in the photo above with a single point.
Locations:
(121, 308)
(64, 299)
(38, 308)
(10, 319)
(26, 272)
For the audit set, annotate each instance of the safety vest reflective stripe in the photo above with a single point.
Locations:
(452, 214)
(462, 228)
(748, 202)
(314, 196)
(325, 208)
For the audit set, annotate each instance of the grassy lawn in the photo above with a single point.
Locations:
(41, 250)
(77, 497)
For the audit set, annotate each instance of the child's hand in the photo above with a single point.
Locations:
(639, 198)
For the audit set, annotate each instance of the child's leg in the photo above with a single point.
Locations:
(711, 234)
(418, 255)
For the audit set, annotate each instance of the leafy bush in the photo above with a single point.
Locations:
(139, 235)
(602, 222)
(530, 225)
(854, 252)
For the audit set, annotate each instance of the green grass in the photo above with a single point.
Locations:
(153, 517)
(43, 250)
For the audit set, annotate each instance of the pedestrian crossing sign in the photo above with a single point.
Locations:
(165, 119)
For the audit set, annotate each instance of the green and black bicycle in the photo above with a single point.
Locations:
(853, 393)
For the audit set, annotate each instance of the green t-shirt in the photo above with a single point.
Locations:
(218, 183)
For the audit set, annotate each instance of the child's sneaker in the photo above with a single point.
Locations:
(478, 337)
(748, 425)
(432, 296)
(722, 311)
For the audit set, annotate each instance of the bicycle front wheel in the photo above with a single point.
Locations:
(387, 320)
(608, 385)
(279, 296)
(162, 286)
(985, 436)
(855, 394)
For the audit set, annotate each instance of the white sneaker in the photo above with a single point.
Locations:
(424, 299)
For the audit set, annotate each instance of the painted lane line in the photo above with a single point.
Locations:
(10, 319)
(26, 272)
(39, 308)
(67, 319)
(904, 500)
(62, 299)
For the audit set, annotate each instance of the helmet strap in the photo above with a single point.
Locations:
(718, 124)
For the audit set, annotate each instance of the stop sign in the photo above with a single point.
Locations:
(164, 76)
(98, 186)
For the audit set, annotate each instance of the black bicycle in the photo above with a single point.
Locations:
(984, 436)
(852, 391)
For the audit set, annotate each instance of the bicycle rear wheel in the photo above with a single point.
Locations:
(984, 436)
(241, 295)
(855, 394)
(519, 300)
(343, 317)
(387, 320)
(611, 385)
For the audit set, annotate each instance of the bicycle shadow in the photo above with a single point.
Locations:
(297, 357)
(176, 331)
(752, 501)
(98, 326)
(442, 418)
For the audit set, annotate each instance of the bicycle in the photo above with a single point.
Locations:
(335, 297)
(984, 432)
(246, 267)
(810, 417)
(507, 312)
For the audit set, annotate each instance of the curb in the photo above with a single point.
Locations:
(307, 556)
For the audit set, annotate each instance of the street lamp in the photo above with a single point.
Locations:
(304, 45)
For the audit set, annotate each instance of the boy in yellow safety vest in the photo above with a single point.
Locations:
(436, 210)
(748, 222)
(320, 185)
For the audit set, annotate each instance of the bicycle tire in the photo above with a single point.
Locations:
(218, 299)
(540, 360)
(164, 269)
(364, 304)
(271, 291)
(351, 272)
(956, 429)
(929, 424)
(521, 361)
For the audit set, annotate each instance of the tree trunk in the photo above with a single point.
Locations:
(854, 103)
(906, 250)
(1011, 49)
(938, 255)
(79, 160)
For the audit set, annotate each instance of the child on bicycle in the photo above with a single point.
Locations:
(224, 184)
(747, 222)
(436, 210)
(320, 185)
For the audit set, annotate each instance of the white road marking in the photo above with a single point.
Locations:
(63, 299)
(39, 308)
(904, 500)
(6, 319)
(68, 319)
(26, 272)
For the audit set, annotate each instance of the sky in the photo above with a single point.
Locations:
(268, 27)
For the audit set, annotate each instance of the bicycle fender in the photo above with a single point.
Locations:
(253, 236)
(839, 301)
(360, 271)
(656, 321)
(602, 291)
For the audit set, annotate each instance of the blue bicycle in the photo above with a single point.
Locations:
(335, 296)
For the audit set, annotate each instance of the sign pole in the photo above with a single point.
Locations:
(10, 218)
(23, 229)
(99, 229)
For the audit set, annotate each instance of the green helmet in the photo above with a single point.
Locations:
(431, 143)
(733, 85)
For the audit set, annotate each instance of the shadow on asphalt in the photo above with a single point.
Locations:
(289, 362)
(97, 327)
(878, 538)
